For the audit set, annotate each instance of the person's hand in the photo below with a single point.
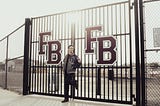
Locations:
(79, 60)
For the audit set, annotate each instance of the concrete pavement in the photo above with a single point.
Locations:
(8, 98)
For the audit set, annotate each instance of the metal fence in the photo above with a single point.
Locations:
(108, 83)
(110, 24)
(152, 52)
(11, 60)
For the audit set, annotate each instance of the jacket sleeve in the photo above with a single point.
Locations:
(64, 63)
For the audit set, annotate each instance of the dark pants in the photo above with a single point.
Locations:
(69, 79)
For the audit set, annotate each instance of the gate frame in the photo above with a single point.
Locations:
(26, 57)
(142, 92)
(139, 44)
(139, 37)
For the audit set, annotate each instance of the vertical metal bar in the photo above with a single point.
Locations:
(85, 80)
(46, 69)
(62, 34)
(78, 42)
(85, 22)
(112, 65)
(125, 52)
(40, 57)
(117, 81)
(142, 52)
(92, 64)
(130, 40)
(81, 52)
(104, 74)
(65, 32)
(43, 61)
(112, 84)
(52, 67)
(59, 66)
(6, 74)
(26, 56)
(98, 90)
(55, 79)
(108, 82)
(108, 34)
(93, 69)
(121, 53)
(49, 79)
(34, 60)
(138, 81)
(92, 61)
(96, 80)
(30, 56)
(52, 79)
(81, 84)
(49, 70)
(34, 52)
(117, 56)
(69, 35)
(100, 12)
(96, 19)
(37, 58)
(58, 35)
(55, 67)
(46, 66)
(58, 80)
(88, 55)
(104, 78)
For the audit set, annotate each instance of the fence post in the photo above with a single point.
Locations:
(6, 65)
(137, 49)
(26, 56)
(142, 52)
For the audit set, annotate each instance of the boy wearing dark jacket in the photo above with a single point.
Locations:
(71, 62)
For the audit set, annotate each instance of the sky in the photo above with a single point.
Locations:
(14, 12)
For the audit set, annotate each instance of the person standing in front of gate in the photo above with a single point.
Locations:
(71, 62)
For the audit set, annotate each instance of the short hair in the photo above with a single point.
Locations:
(70, 46)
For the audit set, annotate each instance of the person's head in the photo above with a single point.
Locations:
(70, 49)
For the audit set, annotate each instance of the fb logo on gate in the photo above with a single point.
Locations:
(53, 49)
(106, 47)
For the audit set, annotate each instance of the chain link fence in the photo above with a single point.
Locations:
(11, 60)
(152, 52)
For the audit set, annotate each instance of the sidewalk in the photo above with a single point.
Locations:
(8, 98)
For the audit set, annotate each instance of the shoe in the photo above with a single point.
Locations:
(65, 100)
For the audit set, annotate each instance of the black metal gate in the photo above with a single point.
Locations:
(103, 41)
